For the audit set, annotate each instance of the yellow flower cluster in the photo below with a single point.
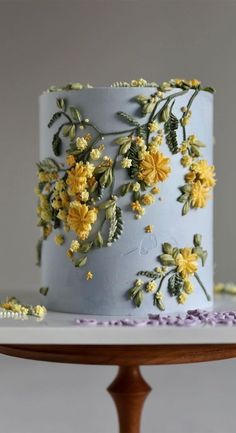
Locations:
(138, 83)
(181, 82)
(44, 176)
(44, 210)
(12, 304)
(137, 208)
(60, 197)
(201, 178)
(153, 126)
(78, 178)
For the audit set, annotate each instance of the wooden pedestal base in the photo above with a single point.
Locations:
(129, 391)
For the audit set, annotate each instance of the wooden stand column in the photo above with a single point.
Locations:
(129, 391)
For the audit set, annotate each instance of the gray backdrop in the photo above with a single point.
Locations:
(54, 42)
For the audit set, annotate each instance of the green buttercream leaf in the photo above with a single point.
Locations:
(85, 248)
(81, 262)
(61, 103)
(133, 154)
(186, 208)
(166, 260)
(149, 274)
(44, 291)
(116, 225)
(54, 118)
(175, 284)
(72, 132)
(197, 240)
(99, 240)
(39, 252)
(167, 248)
(129, 119)
(137, 295)
(75, 114)
(125, 188)
(170, 128)
(48, 164)
(56, 144)
(157, 302)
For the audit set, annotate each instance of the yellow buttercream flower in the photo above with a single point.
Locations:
(158, 139)
(155, 190)
(95, 154)
(46, 215)
(47, 177)
(184, 147)
(138, 83)
(39, 310)
(182, 298)
(136, 207)
(59, 240)
(188, 287)
(186, 262)
(126, 163)
(84, 196)
(89, 275)
(153, 126)
(62, 215)
(219, 288)
(80, 218)
(151, 286)
(78, 176)
(140, 141)
(136, 187)
(81, 143)
(205, 172)
(190, 177)
(70, 253)
(186, 118)
(107, 161)
(88, 137)
(59, 185)
(74, 246)
(47, 230)
(148, 199)
(154, 168)
(199, 195)
(186, 160)
(70, 160)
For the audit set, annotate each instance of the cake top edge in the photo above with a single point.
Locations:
(139, 83)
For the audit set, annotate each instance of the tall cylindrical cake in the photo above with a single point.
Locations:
(125, 207)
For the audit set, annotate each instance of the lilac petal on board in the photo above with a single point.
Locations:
(191, 318)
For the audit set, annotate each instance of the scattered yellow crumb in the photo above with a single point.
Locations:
(89, 275)
(149, 228)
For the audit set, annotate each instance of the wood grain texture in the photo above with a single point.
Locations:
(129, 392)
(122, 355)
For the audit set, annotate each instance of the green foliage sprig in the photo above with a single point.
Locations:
(178, 285)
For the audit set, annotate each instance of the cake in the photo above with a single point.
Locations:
(125, 207)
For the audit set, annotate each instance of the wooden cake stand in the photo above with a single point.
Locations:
(129, 390)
